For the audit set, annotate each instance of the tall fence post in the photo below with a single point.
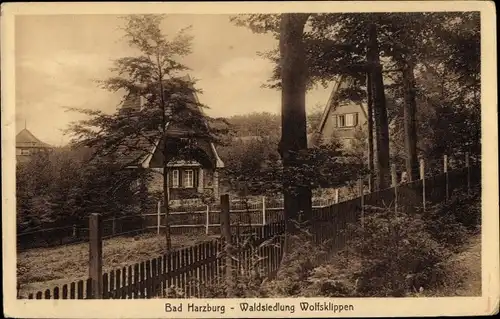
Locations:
(394, 178)
(422, 177)
(362, 198)
(467, 165)
(445, 168)
(207, 226)
(263, 210)
(158, 217)
(225, 224)
(95, 256)
(336, 195)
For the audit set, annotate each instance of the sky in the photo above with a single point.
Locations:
(59, 58)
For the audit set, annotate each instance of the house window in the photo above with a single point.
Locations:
(25, 152)
(175, 178)
(348, 120)
(341, 121)
(188, 178)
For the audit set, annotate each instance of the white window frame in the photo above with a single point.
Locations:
(175, 178)
(188, 177)
(348, 119)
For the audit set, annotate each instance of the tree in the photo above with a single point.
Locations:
(62, 189)
(297, 198)
(170, 116)
(255, 124)
(380, 111)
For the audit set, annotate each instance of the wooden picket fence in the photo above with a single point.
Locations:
(188, 269)
(193, 270)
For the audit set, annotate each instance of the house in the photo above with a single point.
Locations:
(188, 178)
(341, 119)
(28, 144)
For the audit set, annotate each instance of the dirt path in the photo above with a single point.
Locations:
(470, 258)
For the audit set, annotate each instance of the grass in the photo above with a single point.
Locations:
(42, 268)
(465, 268)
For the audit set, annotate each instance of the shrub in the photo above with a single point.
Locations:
(451, 222)
(297, 266)
(396, 254)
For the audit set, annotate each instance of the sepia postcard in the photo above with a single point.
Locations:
(249, 159)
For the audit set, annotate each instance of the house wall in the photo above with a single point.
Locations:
(345, 134)
(204, 179)
(24, 154)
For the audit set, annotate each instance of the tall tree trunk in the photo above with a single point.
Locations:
(381, 123)
(369, 91)
(297, 199)
(410, 109)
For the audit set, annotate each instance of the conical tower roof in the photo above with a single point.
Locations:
(26, 139)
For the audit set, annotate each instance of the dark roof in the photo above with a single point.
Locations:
(26, 139)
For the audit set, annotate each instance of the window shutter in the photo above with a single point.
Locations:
(335, 121)
(181, 181)
(355, 119)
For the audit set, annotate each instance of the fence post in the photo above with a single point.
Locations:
(263, 210)
(207, 220)
(225, 224)
(158, 217)
(445, 168)
(422, 177)
(95, 256)
(74, 230)
(362, 195)
(467, 165)
(394, 177)
(336, 195)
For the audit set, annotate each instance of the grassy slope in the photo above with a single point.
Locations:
(466, 269)
(49, 267)
(471, 259)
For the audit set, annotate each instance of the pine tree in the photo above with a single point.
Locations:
(170, 118)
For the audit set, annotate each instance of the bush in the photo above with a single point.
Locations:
(297, 266)
(451, 222)
(393, 255)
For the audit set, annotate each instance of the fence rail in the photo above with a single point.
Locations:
(191, 220)
(194, 269)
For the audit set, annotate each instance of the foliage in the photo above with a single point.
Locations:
(395, 254)
(451, 222)
(154, 75)
(297, 266)
(255, 124)
(61, 188)
(254, 168)
(447, 69)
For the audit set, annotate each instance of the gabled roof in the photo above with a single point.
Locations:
(26, 139)
(341, 83)
(134, 153)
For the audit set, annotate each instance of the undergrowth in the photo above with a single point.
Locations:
(392, 254)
